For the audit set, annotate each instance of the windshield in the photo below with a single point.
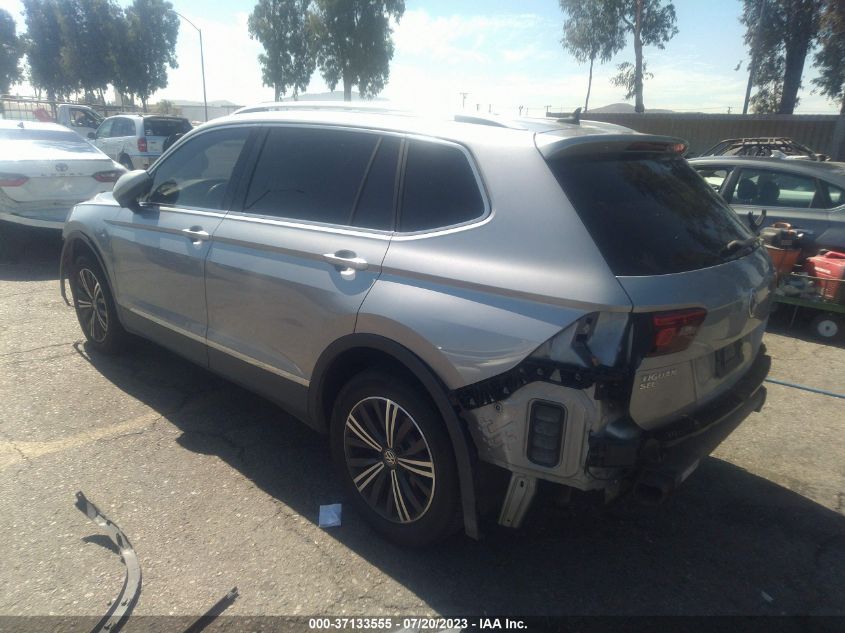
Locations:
(650, 214)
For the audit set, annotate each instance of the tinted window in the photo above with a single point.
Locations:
(165, 127)
(649, 214)
(310, 174)
(198, 173)
(375, 205)
(440, 188)
(776, 189)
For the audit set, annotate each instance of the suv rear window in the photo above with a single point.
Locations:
(649, 214)
(165, 127)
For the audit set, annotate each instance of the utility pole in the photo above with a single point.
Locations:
(463, 99)
(752, 67)
(547, 108)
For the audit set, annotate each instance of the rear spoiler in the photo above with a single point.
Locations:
(552, 145)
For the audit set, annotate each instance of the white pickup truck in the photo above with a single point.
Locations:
(80, 118)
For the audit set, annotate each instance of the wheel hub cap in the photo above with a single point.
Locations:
(91, 305)
(389, 460)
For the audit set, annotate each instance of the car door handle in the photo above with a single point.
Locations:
(196, 234)
(346, 259)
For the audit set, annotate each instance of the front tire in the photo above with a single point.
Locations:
(95, 307)
(395, 460)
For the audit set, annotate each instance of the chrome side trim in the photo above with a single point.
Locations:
(257, 363)
(222, 348)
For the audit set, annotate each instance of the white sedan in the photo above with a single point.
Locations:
(45, 169)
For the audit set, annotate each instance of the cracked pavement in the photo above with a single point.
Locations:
(216, 487)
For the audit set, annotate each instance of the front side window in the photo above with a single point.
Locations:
(440, 188)
(199, 172)
(104, 131)
(762, 187)
(312, 174)
(83, 118)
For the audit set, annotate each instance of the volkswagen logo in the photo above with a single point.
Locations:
(752, 303)
(390, 458)
(61, 167)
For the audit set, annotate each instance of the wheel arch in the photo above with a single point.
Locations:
(349, 354)
(75, 243)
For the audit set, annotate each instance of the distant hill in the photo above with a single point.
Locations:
(622, 108)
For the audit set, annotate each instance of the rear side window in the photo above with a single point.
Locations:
(165, 127)
(440, 188)
(837, 195)
(310, 174)
(776, 189)
(649, 214)
(123, 127)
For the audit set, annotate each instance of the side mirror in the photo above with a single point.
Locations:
(130, 187)
(92, 136)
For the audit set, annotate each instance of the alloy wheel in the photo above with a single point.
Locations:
(91, 305)
(389, 460)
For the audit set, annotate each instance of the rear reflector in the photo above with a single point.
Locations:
(674, 331)
(545, 432)
(142, 144)
(108, 176)
(12, 180)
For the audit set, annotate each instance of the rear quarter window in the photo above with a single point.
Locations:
(649, 214)
(440, 188)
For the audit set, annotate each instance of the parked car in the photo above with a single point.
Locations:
(558, 301)
(45, 169)
(775, 147)
(136, 141)
(810, 195)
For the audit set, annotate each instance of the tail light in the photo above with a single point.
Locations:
(12, 180)
(673, 331)
(142, 144)
(108, 176)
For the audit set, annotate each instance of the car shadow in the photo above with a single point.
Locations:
(729, 543)
(28, 254)
(786, 321)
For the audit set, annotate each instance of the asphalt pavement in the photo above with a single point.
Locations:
(216, 487)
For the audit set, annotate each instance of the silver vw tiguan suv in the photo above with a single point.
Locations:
(448, 299)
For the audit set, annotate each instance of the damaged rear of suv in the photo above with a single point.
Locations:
(633, 397)
(566, 300)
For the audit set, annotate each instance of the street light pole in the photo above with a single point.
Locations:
(202, 62)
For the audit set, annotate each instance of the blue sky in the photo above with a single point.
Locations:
(504, 53)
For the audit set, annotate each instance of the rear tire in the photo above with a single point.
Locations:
(405, 487)
(95, 307)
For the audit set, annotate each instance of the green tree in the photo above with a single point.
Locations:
(353, 42)
(626, 78)
(88, 31)
(652, 23)
(779, 35)
(11, 51)
(43, 45)
(591, 32)
(152, 29)
(830, 62)
(288, 60)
